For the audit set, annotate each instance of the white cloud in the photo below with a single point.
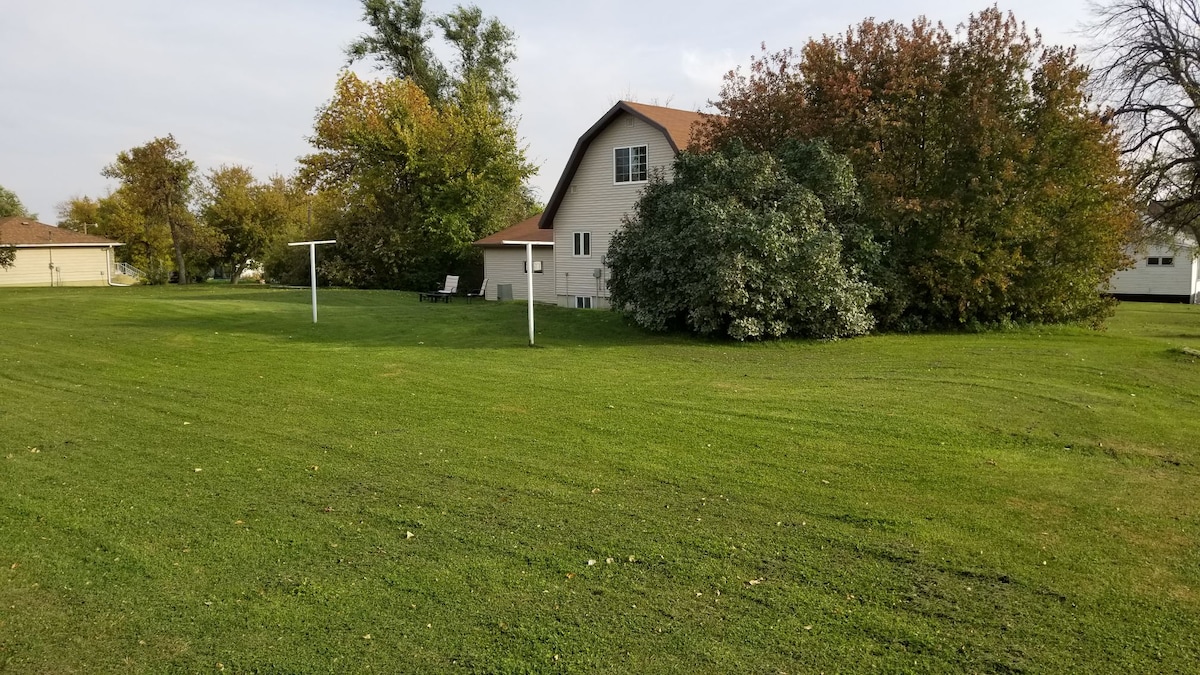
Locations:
(707, 69)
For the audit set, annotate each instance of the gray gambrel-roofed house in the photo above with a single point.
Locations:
(603, 180)
(51, 256)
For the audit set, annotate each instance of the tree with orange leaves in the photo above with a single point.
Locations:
(994, 184)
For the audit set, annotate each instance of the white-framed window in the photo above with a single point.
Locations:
(583, 302)
(1152, 262)
(583, 244)
(630, 164)
(1167, 262)
(537, 267)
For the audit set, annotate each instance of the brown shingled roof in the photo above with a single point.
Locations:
(21, 231)
(526, 230)
(677, 123)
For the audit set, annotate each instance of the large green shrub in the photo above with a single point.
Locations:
(748, 245)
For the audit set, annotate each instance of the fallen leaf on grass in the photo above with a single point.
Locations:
(408, 535)
(755, 582)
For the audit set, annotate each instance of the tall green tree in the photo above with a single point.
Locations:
(399, 43)
(992, 181)
(157, 182)
(243, 213)
(416, 183)
(10, 204)
(79, 214)
(484, 50)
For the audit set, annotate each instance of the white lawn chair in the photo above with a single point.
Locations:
(446, 292)
(481, 294)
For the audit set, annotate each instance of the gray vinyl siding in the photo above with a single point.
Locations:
(73, 267)
(507, 266)
(595, 204)
(1144, 279)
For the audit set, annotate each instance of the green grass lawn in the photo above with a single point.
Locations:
(199, 479)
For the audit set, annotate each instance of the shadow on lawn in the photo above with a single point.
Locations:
(393, 318)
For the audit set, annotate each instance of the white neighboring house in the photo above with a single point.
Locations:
(52, 256)
(603, 180)
(1163, 272)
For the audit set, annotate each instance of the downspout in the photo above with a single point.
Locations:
(108, 256)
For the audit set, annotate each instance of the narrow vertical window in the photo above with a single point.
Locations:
(631, 164)
(622, 163)
(583, 244)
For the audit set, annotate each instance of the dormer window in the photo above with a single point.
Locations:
(630, 164)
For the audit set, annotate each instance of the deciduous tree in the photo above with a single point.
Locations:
(243, 213)
(417, 183)
(156, 179)
(987, 174)
(746, 245)
(399, 43)
(1149, 51)
(10, 204)
(79, 214)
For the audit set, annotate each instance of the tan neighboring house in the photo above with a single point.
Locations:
(52, 256)
(603, 180)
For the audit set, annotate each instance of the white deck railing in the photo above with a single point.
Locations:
(128, 270)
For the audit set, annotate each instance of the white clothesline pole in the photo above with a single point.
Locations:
(312, 263)
(529, 274)
(529, 284)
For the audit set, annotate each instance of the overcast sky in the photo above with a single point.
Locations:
(239, 81)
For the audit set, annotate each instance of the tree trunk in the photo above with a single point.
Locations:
(237, 274)
(179, 262)
(180, 265)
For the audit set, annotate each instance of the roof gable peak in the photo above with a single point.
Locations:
(675, 125)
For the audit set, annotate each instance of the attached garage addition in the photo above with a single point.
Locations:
(51, 256)
(504, 265)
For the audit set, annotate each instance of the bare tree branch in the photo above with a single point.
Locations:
(1148, 53)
